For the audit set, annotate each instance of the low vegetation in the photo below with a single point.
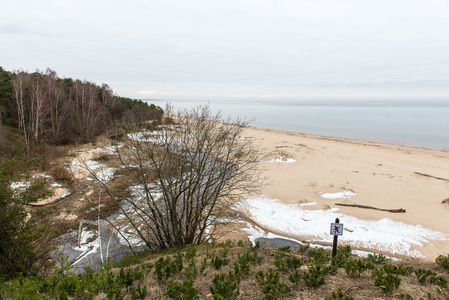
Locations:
(250, 272)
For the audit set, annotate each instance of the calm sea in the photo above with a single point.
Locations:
(419, 123)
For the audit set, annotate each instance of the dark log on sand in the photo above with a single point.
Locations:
(399, 210)
(427, 175)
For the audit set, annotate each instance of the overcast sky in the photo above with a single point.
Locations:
(210, 49)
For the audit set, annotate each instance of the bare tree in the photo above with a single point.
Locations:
(20, 82)
(88, 110)
(57, 107)
(38, 98)
(183, 179)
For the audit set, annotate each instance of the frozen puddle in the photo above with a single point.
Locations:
(383, 235)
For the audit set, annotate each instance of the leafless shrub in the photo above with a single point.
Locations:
(59, 172)
(185, 178)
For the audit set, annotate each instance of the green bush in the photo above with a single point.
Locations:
(387, 282)
(397, 269)
(443, 261)
(304, 247)
(242, 265)
(22, 230)
(342, 256)
(281, 251)
(271, 285)
(251, 256)
(113, 284)
(315, 275)
(191, 271)
(318, 255)
(138, 292)
(378, 258)
(339, 295)
(345, 251)
(428, 276)
(190, 253)
(177, 264)
(162, 269)
(288, 263)
(203, 266)
(295, 277)
(355, 268)
(225, 286)
(218, 262)
(165, 267)
(182, 291)
(241, 268)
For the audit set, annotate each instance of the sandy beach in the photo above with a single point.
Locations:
(309, 175)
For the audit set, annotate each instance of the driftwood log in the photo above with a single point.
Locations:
(427, 175)
(399, 210)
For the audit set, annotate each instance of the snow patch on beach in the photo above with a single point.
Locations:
(383, 235)
(307, 204)
(338, 195)
(279, 159)
(257, 233)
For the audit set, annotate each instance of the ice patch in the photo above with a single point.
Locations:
(383, 235)
(338, 195)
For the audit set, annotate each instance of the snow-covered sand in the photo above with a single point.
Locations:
(314, 226)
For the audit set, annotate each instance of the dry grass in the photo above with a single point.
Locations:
(101, 156)
(360, 288)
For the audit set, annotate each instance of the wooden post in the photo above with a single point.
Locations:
(334, 247)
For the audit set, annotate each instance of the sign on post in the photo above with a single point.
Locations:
(336, 229)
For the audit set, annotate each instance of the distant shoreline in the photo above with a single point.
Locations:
(348, 140)
(412, 123)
